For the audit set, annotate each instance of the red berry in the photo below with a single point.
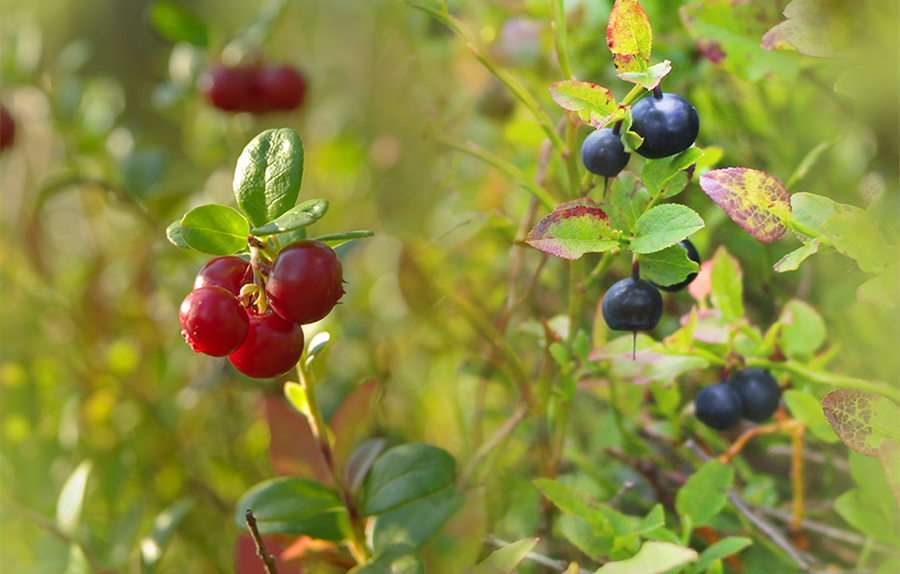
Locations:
(229, 272)
(273, 346)
(228, 88)
(306, 281)
(213, 321)
(7, 128)
(283, 87)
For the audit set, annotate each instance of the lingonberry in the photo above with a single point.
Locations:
(718, 406)
(668, 123)
(229, 272)
(7, 128)
(213, 321)
(228, 88)
(602, 153)
(632, 305)
(759, 391)
(272, 347)
(693, 256)
(283, 87)
(306, 281)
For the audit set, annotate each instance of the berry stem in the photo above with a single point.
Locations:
(635, 269)
(256, 249)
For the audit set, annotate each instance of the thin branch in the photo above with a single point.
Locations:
(268, 559)
(825, 530)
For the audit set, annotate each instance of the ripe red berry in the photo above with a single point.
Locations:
(282, 87)
(229, 272)
(228, 88)
(213, 321)
(306, 281)
(7, 128)
(273, 346)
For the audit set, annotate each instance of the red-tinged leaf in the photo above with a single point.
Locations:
(863, 420)
(292, 447)
(628, 34)
(593, 103)
(351, 419)
(889, 454)
(755, 200)
(813, 27)
(573, 229)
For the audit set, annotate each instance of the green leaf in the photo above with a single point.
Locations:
(580, 533)
(658, 172)
(504, 560)
(728, 33)
(855, 235)
(862, 419)
(663, 226)
(646, 77)
(71, 499)
(812, 210)
(164, 526)
(175, 23)
(573, 229)
(808, 409)
(755, 200)
(395, 559)
(725, 547)
(593, 103)
(704, 494)
(804, 330)
(853, 507)
(653, 558)
(889, 454)
(415, 523)
(667, 266)
(405, 473)
(285, 500)
(215, 229)
(173, 234)
(883, 289)
(573, 501)
(295, 218)
(361, 460)
(297, 396)
(726, 280)
(268, 175)
(813, 28)
(335, 239)
(628, 199)
(792, 261)
(629, 36)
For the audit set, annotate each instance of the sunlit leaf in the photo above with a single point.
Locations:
(173, 234)
(721, 549)
(268, 175)
(792, 261)
(71, 499)
(889, 454)
(396, 559)
(804, 330)
(295, 218)
(629, 36)
(646, 77)
(592, 102)
(755, 200)
(862, 419)
(573, 229)
(215, 229)
(415, 523)
(335, 239)
(653, 558)
(663, 226)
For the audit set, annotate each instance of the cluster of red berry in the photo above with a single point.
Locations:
(226, 314)
(253, 88)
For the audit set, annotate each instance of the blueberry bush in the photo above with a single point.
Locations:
(409, 286)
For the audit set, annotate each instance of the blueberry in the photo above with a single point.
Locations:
(718, 406)
(603, 153)
(693, 256)
(632, 305)
(668, 123)
(759, 391)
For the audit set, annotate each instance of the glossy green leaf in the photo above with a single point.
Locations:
(593, 103)
(175, 23)
(71, 499)
(215, 229)
(862, 419)
(653, 558)
(504, 560)
(173, 234)
(164, 525)
(297, 217)
(268, 175)
(658, 172)
(663, 226)
(726, 281)
(792, 261)
(667, 266)
(286, 499)
(628, 200)
(406, 473)
(396, 559)
(808, 409)
(415, 523)
(755, 200)
(573, 229)
(335, 239)
(721, 549)
(855, 235)
(704, 494)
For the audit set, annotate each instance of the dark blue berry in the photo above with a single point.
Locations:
(759, 391)
(632, 305)
(668, 123)
(603, 153)
(693, 256)
(718, 406)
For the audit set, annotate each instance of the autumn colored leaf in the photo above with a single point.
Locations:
(755, 200)
(862, 419)
(593, 103)
(629, 36)
(573, 229)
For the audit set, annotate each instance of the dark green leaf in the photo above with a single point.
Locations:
(664, 225)
(164, 525)
(215, 229)
(416, 522)
(175, 23)
(268, 175)
(362, 459)
(406, 473)
(286, 499)
(173, 234)
(332, 526)
(668, 266)
(705, 493)
(335, 239)
(297, 217)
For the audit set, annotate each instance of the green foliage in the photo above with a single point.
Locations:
(406, 473)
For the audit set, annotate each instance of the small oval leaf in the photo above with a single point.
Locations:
(406, 473)
(284, 500)
(592, 102)
(268, 175)
(215, 229)
(297, 217)
(573, 229)
(173, 234)
(663, 226)
(755, 200)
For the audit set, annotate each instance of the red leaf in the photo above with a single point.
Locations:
(351, 419)
(292, 447)
(755, 200)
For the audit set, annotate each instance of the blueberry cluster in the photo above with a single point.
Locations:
(752, 393)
